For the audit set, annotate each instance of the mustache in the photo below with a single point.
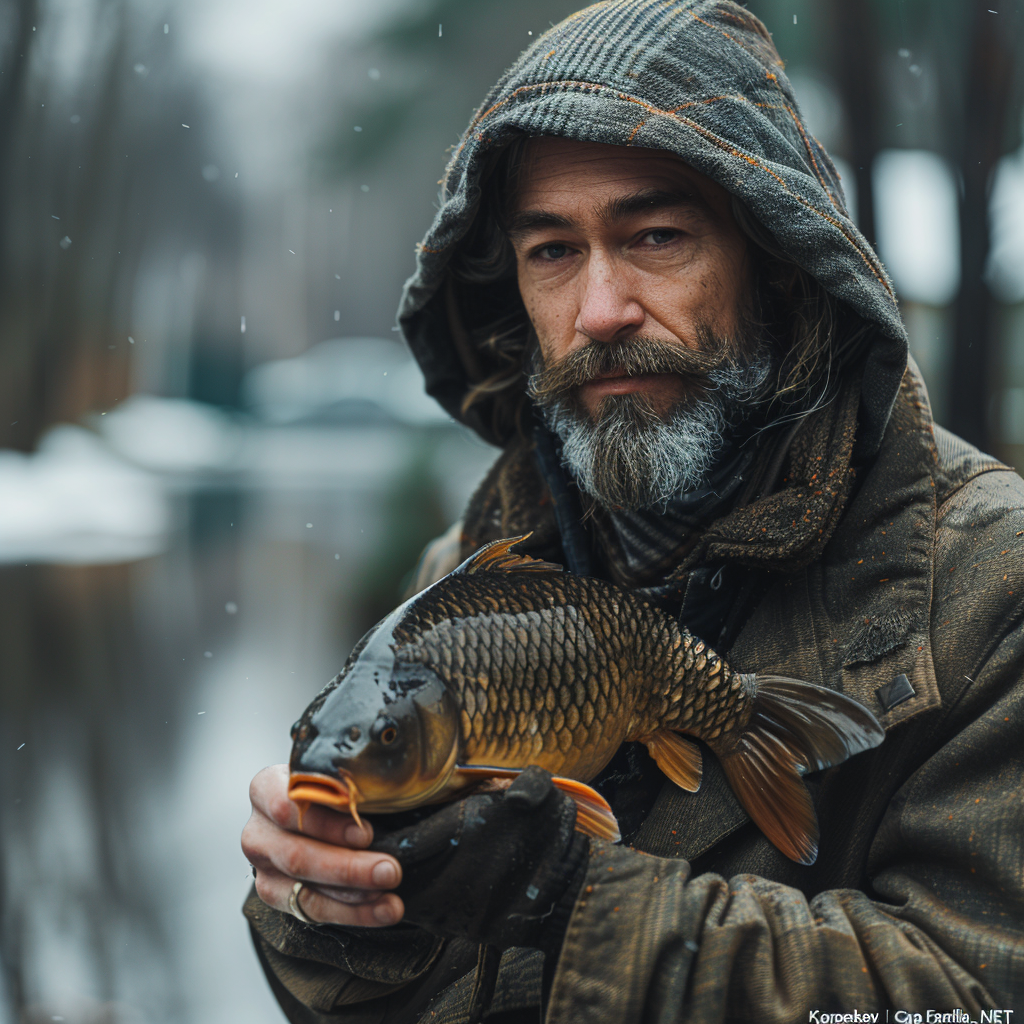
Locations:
(633, 357)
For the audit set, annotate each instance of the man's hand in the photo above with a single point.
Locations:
(344, 883)
(497, 868)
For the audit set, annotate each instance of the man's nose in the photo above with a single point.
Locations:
(608, 311)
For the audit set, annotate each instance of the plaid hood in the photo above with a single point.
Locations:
(698, 78)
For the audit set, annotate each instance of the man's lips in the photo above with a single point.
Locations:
(618, 383)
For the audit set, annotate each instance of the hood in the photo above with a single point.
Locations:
(701, 79)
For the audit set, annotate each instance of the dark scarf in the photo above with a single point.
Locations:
(779, 520)
(643, 546)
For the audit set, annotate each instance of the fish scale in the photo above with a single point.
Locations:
(575, 613)
(510, 661)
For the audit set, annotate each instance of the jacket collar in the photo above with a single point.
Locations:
(870, 597)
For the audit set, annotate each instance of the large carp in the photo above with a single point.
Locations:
(509, 661)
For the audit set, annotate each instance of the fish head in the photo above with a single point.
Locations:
(376, 746)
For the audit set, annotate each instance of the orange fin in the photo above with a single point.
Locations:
(497, 557)
(678, 758)
(594, 816)
(796, 728)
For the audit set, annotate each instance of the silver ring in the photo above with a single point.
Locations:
(293, 904)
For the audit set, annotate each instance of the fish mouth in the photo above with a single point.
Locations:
(341, 794)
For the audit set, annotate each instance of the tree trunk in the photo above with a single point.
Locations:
(988, 82)
(855, 34)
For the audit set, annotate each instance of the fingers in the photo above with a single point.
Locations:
(345, 882)
(530, 789)
(362, 909)
(268, 793)
(267, 845)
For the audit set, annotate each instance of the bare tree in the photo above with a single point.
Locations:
(989, 105)
(855, 42)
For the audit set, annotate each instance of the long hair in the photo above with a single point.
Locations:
(814, 334)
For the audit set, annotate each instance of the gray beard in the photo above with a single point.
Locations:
(631, 458)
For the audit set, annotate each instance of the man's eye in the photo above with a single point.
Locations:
(661, 235)
(555, 251)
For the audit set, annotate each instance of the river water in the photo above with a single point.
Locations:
(139, 696)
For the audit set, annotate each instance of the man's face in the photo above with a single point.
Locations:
(613, 244)
(631, 267)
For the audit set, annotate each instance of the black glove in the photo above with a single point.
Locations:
(501, 869)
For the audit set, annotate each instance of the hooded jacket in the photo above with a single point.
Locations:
(698, 78)
(881, 557)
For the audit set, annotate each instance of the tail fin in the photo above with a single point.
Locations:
(796, 728)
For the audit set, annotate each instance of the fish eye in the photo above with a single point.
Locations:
(385, 730)
(302, 731)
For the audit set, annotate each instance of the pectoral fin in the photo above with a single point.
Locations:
(678, 758)
(594, 817)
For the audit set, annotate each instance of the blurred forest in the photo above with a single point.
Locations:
(191, 190)
(97, 199)
(118, 222)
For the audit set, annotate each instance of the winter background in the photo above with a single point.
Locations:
(216, 460)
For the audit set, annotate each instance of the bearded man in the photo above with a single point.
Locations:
(644, 284)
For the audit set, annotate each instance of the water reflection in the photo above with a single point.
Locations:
(138, 699)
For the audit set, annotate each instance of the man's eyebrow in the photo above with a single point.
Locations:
(525, 221)
(619, 208)
(648, 199)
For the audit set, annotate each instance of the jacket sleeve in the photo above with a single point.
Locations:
(941, 927)
(315, 971)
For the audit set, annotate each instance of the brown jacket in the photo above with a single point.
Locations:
(912, 587)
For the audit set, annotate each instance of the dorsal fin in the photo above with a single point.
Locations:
(497, 557)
